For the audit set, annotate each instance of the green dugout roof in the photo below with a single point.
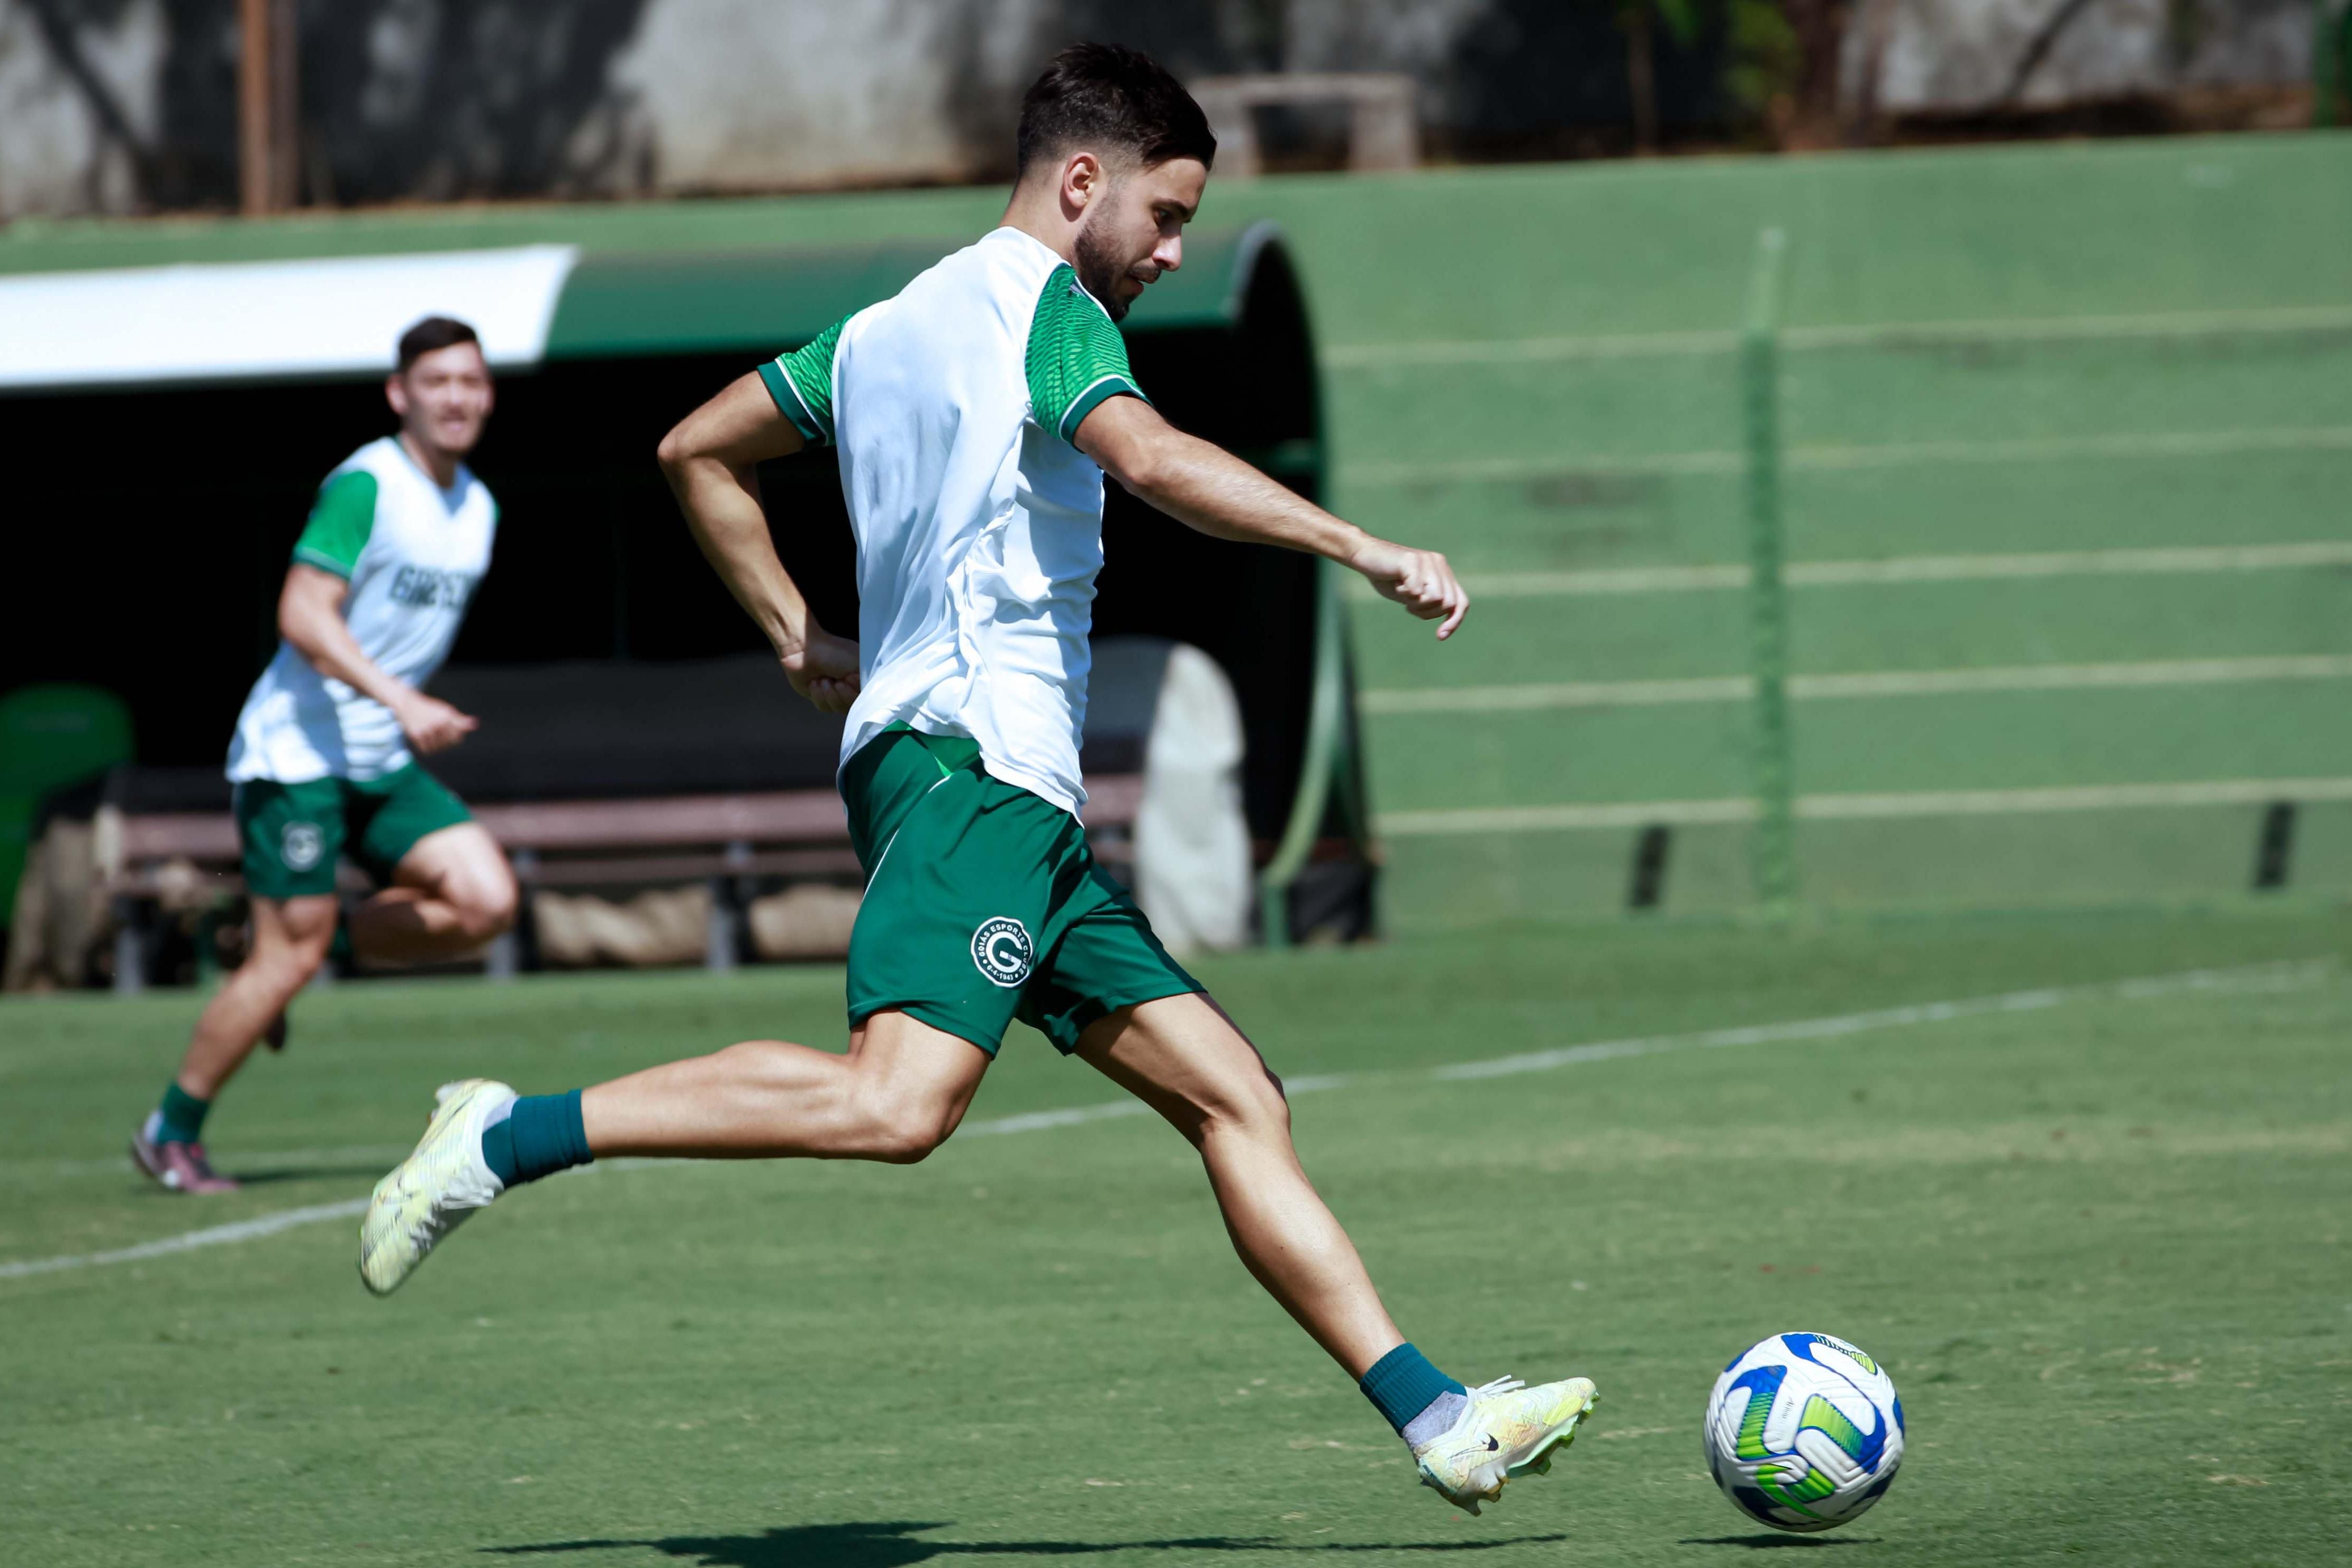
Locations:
(668, 304)
(180, 304)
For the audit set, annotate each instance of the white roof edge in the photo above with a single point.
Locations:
(249, 320)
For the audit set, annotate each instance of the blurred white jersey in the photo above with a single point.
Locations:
(413, 554)
(979, 524)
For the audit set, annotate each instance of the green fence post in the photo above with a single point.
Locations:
(2323, 63)
(2331, 61)
(1773, 846)
(1326, 733)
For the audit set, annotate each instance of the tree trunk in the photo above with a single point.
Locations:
(1877, 21)
(1640, 72)
(1812, 119)
(269, 165)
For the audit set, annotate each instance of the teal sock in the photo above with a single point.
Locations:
(1403, 1384)
(183, 1116)
(542, 1134)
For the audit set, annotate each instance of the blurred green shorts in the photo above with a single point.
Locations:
(292, 833)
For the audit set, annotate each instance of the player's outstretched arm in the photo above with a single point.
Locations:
(1208, 488)
(311, 619)
(708, 460)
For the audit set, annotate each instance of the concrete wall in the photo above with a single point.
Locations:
(121, 105)
(130, 105)
(1957, 57)
(62, 148)
(809, 93)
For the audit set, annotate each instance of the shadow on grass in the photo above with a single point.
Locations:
(888, 1544)
(308, 1173)
(1776, 1538)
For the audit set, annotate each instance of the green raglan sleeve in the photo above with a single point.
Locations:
(1077, 357)
(340, 520)
(801, 385)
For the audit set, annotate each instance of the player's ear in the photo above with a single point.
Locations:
(396, 392)
(1082, 181)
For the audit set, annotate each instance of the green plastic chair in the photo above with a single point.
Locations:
(50, 735)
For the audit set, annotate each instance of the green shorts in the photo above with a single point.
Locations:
(983, 903)
(292, 833)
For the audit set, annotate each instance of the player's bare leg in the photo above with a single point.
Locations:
(290, 942)
(1185, 1059)
(290, 937)
(1184, 1056)
(451, 894)
(897, 1093)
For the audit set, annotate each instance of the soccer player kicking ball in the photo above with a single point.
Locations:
(975, 415)
(324, 754)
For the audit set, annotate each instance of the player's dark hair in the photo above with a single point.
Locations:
(1106, 96)
(433, 332)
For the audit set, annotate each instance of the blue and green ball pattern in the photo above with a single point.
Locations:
(1803, 1432)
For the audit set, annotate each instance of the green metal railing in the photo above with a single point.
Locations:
(1774, 846)
(2331, 62)
(1328, 765)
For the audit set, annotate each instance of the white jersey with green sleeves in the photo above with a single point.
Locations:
(979, 524)
(413, 554)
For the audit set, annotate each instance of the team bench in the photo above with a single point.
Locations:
(726, 841)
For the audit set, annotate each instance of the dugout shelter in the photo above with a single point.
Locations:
(173, 422)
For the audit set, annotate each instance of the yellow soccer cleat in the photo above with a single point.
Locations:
(435, 1189)
(1507, 1429)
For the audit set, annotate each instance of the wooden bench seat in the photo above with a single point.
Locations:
(724, 839)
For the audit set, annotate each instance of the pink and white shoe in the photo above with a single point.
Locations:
(176, 1166)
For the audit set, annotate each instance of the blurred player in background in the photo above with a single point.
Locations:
(975, 415)
(324, 757)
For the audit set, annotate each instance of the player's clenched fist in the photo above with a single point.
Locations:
(432, 725)
(1420, 579)
(824, 670)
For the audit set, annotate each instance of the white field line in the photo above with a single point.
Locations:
(189, 1240)
(2269, 977)
(2195, 560)
(1532, 696)
(1888, 455)
(1860, 807)
(2261, 977)
(1899, 334)
(274, 1161)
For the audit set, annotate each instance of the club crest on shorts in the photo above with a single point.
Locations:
(301, 845)
(1003, 950)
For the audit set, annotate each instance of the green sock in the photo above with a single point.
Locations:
(183, 1116)
(1402, 1385)
(541, 1136)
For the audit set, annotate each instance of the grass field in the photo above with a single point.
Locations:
(2098, 1233)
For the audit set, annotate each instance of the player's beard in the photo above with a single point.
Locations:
(1098, 266)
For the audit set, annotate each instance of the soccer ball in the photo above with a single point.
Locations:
(1803, 1431)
